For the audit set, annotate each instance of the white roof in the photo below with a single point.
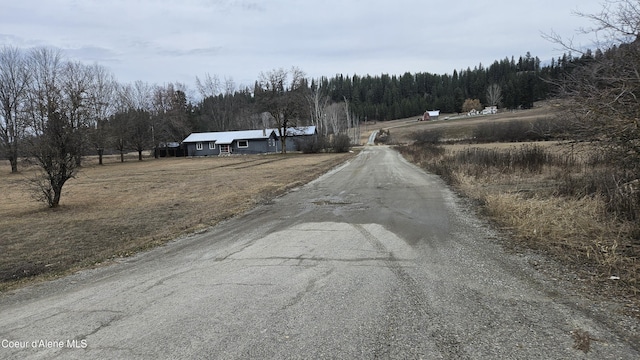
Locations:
(227, 137)
(298, 131)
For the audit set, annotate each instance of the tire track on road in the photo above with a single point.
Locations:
(446, 341)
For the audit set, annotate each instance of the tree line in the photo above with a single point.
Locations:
(54, 111)
(384, 97)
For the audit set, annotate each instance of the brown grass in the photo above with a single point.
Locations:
(578, 229)
(582, 231)
(461, 126)
(118, 209)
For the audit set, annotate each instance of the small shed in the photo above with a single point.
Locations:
(169, 149)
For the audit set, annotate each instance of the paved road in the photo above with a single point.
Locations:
(376, 259)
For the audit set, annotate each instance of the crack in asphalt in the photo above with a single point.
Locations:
(311, 285)
(118, 315)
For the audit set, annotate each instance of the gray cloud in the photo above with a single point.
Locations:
(93, 54)
(166, 40)
(198, 52)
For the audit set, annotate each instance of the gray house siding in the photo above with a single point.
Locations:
(297, 136)
(192, 149)
(237, 146)
(296, 142)
(254, 146)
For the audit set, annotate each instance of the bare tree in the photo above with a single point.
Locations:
(282, 93)
(335, 118)
(14, 85)
(139, 134)
(131, 130)
(54, 143)
(101, 94)
(137, 95)
(118, 131)
(209, 86)
(75, 82)
(318, 104)
(229, 86)
(339, 120)
(212, 91)
(170, 113)
(129, 100)
(602, 92)
(494, 95)
(353, 123)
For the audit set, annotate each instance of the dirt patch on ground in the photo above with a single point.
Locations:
(118, 209)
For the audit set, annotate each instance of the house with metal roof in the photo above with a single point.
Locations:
(245, 141)
(231, 142)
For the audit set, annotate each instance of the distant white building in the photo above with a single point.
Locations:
(489, 110)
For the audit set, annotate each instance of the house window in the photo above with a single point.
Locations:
(243, 143)
(199, 146)
(212, 145)
(224, 149)
(272, 142)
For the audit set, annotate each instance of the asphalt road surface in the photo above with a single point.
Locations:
(376, 259)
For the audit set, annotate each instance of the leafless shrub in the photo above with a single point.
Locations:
(341, 143)
(313, 146)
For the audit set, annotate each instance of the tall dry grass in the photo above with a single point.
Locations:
(550, 198)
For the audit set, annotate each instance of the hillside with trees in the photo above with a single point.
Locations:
(387, 97)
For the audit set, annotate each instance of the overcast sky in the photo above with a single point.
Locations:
(162, 41)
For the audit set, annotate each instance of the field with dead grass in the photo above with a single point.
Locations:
(459, 126)
(559, 198)
(118, 209)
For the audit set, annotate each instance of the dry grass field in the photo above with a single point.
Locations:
(554, 197)
(118, 209)
(460, 126)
